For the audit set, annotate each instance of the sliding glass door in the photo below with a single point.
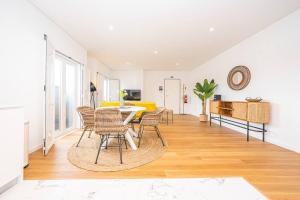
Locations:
(71, 94)
(67, 83)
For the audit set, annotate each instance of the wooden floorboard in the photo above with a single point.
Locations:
(194, 150)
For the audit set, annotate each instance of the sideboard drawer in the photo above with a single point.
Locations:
(214, 107)
(258, 112)
(239, 110)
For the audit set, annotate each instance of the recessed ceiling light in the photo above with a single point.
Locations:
(211, 29)
(155, 52)
(177, 64)
(128, 63)
(111, 27)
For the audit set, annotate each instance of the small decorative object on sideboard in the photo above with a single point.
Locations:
(257, 99)
(217, 97)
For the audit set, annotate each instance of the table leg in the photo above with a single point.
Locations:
(129, 118)
(130, 140)
(132, 132)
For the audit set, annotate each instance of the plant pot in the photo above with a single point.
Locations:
(203, 118)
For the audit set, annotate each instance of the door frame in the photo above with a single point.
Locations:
(45, 101)
(114, 79)
(102, 87)
(169, 79)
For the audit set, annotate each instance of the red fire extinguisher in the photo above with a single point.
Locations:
(185, 98)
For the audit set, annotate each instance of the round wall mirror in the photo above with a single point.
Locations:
(238, 78)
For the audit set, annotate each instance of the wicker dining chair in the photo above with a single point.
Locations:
(86, 115)
(131, 122)
(109, 124)
(151, 120)
(171, 112)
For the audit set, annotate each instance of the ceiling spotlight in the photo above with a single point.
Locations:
(111, 28)
(155, 52)
(211, 29)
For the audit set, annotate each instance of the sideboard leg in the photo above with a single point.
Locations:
(209, 119)
(220, 120)
(247, 131)
(263, 133)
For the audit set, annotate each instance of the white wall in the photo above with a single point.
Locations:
(97, 73)
(22, 59)
(96, 66)
(273, 57)
(148, 82)
(130, 79)
(154, 79)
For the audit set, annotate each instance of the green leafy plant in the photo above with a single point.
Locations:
(205, 91)
(123, 94)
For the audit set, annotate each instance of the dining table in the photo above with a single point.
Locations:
(130, 132)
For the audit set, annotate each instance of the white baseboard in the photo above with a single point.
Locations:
(35, 148)
(284, 145)
(268, 138)
(40, 146)
(9, 185)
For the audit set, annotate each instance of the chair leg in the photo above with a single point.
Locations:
(90, 133)
(101, 142)
(120, 148)
(159, 135)
(81, 136)
(106, 146)
(125, 141)
(132, 126)
(167, 118)
(141, 131)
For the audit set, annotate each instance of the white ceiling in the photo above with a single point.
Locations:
(126, 33)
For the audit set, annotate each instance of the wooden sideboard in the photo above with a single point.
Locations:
(254, 112)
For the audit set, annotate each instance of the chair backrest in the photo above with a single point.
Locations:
(108, 120)
(125, 115)
(160, 110)
(86, 115)
(151, 119)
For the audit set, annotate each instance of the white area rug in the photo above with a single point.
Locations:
(135, 189)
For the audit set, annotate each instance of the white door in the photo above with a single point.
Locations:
(49, 98)
(172, 95)
(114, 90)
(102, 88)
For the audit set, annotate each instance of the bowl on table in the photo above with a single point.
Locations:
(257, 99)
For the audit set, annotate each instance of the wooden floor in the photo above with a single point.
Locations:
(195, 150)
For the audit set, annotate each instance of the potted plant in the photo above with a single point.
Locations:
(204, 91)
(123, 94)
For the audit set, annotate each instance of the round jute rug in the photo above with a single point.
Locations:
(84, 156)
